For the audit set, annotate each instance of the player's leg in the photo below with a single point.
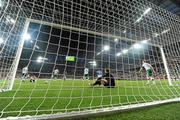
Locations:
(147, 77)
(104, 82)
(87, 76)
(84, 77)
(26, 76)
(64, 77)
(57, 76)
(52, 76)
(97, 82)
(22, 77)
(150, 75)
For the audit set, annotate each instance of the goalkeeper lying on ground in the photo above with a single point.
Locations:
(107, 80)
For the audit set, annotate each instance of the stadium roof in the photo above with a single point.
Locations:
(171, 5)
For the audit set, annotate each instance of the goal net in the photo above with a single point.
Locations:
(53, 52)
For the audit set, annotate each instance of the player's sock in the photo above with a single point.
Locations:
(90, 84)
(147, 83)
(152, 79)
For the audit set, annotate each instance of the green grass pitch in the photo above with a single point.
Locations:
(163, 112)
(64, 96)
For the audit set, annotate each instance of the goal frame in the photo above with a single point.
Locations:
(21, 44)
(14, 66)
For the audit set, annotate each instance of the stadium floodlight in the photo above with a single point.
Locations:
(93, 63)
(10, 20)
(137, 46)
(139, 19)
(115, 40)
(98, 53)
(1, 41)
(145, 41)
(37, 47)
(165, 31)
(125, 51)
(118, 54)
(147, 11)
(41, 59)
(156, 34)
(26, 36)
(106, 48)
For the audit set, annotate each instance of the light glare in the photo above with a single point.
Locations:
(36, 46)
(145, 41)
(124, 51)
(1, 3)
(147, 11)
(41, 59)
(1, 41)
(26, 36)
(10, 20)
(93, 63)
(118, 54)
(138, 20)
(156, 34)
(116, 40)
(124, 31)
(106, 47)
(137, 46)
(165, 31)
(98, 53)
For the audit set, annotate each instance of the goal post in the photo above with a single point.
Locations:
(14, 67)
(166, 66)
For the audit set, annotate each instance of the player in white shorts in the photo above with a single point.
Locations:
(55, 73)
(149, 71)
(24, 73)
(86, 74)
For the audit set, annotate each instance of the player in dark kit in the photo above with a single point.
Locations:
(107, 80)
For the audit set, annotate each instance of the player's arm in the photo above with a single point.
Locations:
(140, 69)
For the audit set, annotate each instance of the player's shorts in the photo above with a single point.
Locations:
(86, 75)
(55, 75)
(149, 73)
(24, 75)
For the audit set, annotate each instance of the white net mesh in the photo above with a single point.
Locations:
(62, 38)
